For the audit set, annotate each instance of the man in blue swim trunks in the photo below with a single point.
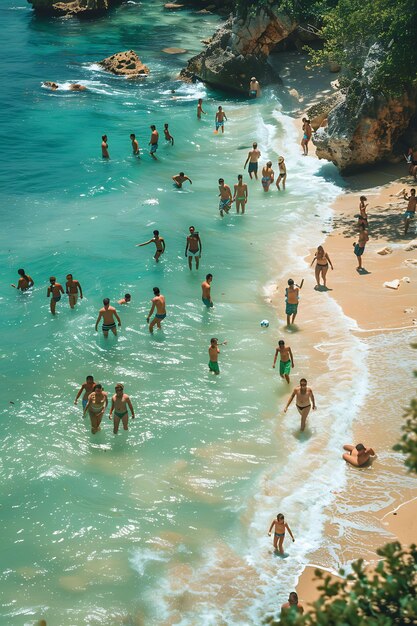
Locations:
(54, 290)
(154, 141)
(87, 388)
(108, 313)
(226, 197)
(253, 158)
(220, 119)
(292, 296)
(205, 289)
(359, 247)
(158, 303)
(410, 212)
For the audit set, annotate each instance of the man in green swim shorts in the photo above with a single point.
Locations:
(119, 403)
(213, 355)
(286, 360)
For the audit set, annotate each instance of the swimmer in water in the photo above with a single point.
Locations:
(86, 388)
(153, 142)
(158, 303)
(135, 144)
(240, 195)
(72, 287)
(193, 248)
(280, 526)
(54, 290)
(168, 136)
(304, 400)
(220, 119)
(119, 403)
(180, 178)
(104, 147)
(159, 243)
(96, 406)
(25, 281)
(225, 197)
(108, 313)
(200, 108)
(126, 299)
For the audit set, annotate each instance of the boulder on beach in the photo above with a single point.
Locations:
(383, 251)
(411, 246)
(125, 64)
(392, 284)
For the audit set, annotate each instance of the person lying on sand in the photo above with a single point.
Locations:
(357, 455)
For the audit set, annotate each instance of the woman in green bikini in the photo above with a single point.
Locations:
(279, 525)
(240, 194)
(119, 403)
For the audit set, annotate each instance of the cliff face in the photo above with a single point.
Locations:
(239, 49)
(80, 8)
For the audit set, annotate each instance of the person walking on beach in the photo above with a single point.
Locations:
(282, 173)
(359, 247)
(357, 455)
(96, 406)
(158, 303)
(72, 287)
(280, 526)
(267, 176)
(200, 108)
(104, 147)
(322, 260)
(304, 401)
(220, 119)
(159, 243)
(135, 144)
(119, 404)
(410, 213)
(292, 297)
(86, 388)
(193, 248)
(363, 216)
(206, 291)
(253, 158)
(240, 195)
(412, 160)
(54, 290)
(214, 352)
(108, 313)
(25, 281)
(292, 604)
(168, 136)
(225, 197)
(153, 141)
(125, 300)
(254, 88)
(307, 132)
(180, 178)
(286, 360)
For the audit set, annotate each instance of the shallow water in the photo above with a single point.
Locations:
(167, 523)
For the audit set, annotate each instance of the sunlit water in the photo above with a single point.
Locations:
(167, 523)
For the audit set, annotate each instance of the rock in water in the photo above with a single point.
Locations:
(125, 64)
(174, 50)
(78, 8)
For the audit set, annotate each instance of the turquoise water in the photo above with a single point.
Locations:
(166, 523)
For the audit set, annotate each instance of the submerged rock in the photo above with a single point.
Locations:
(125, 64)
(78, 8)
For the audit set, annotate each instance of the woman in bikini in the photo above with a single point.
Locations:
(267, 176)
(307, 132)
(119, 403)
(240, 194)
(323, 261)
(282, 173)
(96, 406)
(279, 525)
(304, 401)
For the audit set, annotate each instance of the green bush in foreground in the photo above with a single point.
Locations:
(408, 442)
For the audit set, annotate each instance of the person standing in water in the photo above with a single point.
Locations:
(158, 303)
(359, 247)
(214, 352)
(168, 136)
(159, 243)
(253, 158)
(72, 287)
(153, 142)
(200, 108)
(135, 144)
(307, 132)
(86, 388)
(54, 290)
(180, 178)
(25, 281)
(225, 197)
(292, 604)
(304, 400)
(267, 176)
(322, 260)
(240, 195)
(96, 406)
(292, 297)
(220, 119)
(108, 313)
(280, 526)
(282, 173)
(206, 291)
(254, 88)
(104, 147)
(286, 360)
(119, 403)
(193, 248)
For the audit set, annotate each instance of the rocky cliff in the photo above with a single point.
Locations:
(240, 48)
(79, 8)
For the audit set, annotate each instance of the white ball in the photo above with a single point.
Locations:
(264, 323)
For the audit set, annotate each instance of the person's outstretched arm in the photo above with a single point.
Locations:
(139, 245)
(292, 396)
